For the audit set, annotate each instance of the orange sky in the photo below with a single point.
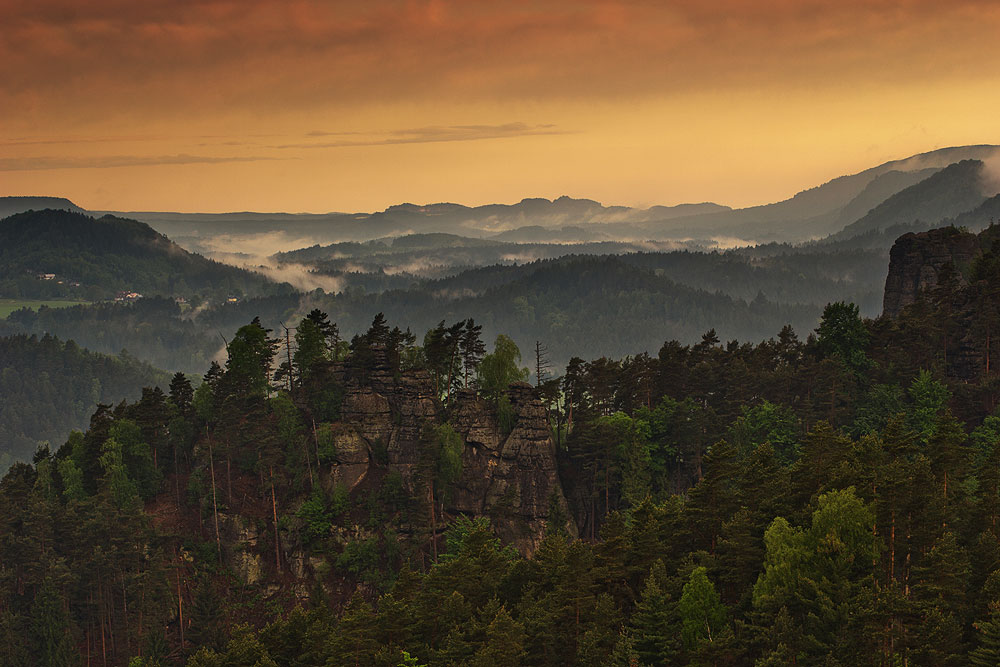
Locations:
(215, 105)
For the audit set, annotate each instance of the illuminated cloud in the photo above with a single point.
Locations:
(613, 99)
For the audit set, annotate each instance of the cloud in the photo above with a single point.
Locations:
(109, 161)
(991, 175)
(253, 252)
(433, 134)
(178, 56)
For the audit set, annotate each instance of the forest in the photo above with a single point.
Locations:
(828, 500)
(49, 387)
(95, 258)
(638, 299)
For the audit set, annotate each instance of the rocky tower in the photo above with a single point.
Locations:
(512, 478)
(916, 263)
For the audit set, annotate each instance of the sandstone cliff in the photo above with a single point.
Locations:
(510, 477)
(918, 261)
(952, 274)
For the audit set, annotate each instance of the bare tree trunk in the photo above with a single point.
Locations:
(180, 606)
(215, 504)
(316, 442)
(128, 647)
(274, 511)
(309, 465)
(434, 546)
(177, 479)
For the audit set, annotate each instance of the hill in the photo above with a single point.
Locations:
(820, 211)
(405, 503)
(647, 295)
(48, 387)
(954, 190)
(53, 253)
(12, 205)
(813, 213)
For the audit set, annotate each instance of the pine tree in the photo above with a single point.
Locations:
(654, 622)
(207, 627)
(51, 629)
(987, 651)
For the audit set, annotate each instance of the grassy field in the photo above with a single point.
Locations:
(8, 306)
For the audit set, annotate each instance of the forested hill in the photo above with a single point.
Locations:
(401, 500)
(48, 387)
(96, 258)
(948, 193)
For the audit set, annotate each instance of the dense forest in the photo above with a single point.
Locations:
(831, 500)
(48, 387)
(640, 299)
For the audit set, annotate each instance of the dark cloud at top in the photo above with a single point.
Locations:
(178, 55)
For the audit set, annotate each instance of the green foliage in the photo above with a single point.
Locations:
(361, 559)
(50, 387)
(929, 397)
(248, 365)
(501, 368)
(843, 336)
(987, 651)
(316, 517)
(106, 255)
(449, 454)
(702, 614)
(51, 630)
(716, 531)
(770, 423)
(883, 402)
(120, 485)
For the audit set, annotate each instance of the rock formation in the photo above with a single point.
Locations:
(917, 261)
(510, 477)
(936, 268)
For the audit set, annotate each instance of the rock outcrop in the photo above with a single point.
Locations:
(510, 477)
(936, 269)
(918, 261)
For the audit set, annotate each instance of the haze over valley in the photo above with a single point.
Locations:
(425, 333)
(575, 275)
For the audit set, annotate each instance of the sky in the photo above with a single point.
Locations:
(308, 105)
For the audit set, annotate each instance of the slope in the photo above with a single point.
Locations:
(48, 387)
(953, 190)
(95, 258)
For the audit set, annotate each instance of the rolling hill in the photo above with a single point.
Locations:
(52, 253)
(947, 193)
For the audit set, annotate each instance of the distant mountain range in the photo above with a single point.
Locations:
(858, 202)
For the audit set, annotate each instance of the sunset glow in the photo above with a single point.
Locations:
(215, 105)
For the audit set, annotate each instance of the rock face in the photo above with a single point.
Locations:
(511, 478)
(514, 478)
(240, 539)
(916, 263)
(919, 263)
